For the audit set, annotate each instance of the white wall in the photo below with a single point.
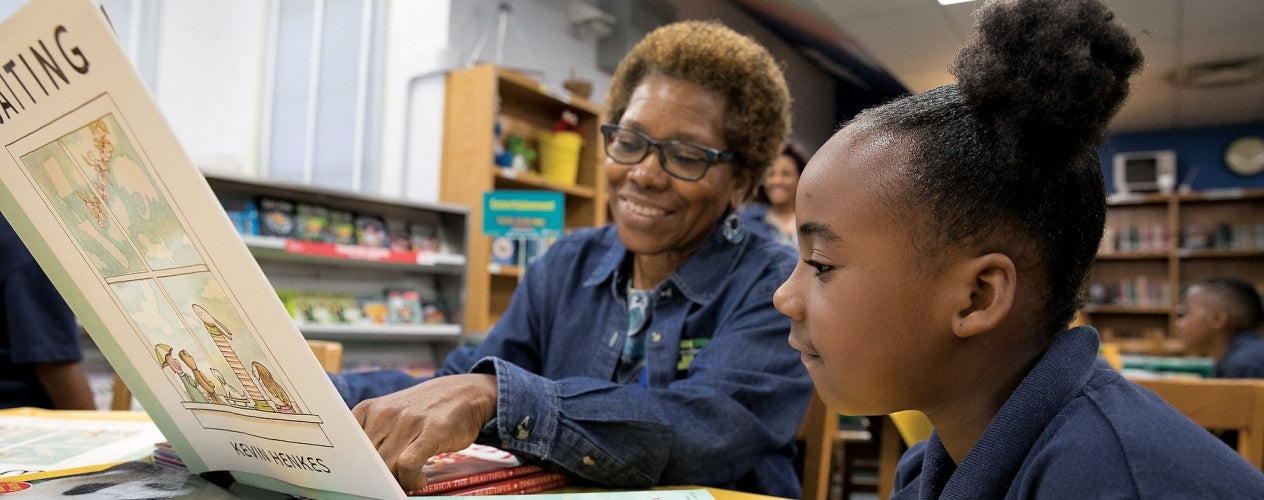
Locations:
(208, 80)
(537, 40)
(417, 57)
(811, 89)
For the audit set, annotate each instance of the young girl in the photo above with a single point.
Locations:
(945, 239)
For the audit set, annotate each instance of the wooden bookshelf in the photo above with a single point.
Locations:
(527, 108)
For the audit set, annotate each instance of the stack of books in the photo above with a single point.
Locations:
(166, 456)
(484, 470)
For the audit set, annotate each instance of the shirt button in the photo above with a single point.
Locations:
(587, 460)
(655, 337)
(665, 293)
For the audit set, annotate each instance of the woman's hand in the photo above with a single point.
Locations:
(443, 414)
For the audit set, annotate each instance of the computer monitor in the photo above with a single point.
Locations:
(1145, 172)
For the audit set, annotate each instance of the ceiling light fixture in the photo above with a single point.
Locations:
(1220, 73)
(950, 2)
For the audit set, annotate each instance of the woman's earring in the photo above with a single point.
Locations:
(733, 228)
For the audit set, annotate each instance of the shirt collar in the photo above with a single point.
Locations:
(696, 278)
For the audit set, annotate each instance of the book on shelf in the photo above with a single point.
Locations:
(97, 186)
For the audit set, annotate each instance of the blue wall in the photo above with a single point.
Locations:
(1202, 147)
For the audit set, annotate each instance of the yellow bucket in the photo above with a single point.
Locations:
(559, 156)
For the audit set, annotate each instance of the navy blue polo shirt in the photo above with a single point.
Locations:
(36, 326)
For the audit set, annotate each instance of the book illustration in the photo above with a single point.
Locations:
(125, 226)
(33, 441)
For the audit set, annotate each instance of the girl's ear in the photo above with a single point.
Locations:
(985, 287)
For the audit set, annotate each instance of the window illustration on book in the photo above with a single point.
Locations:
(99, 186)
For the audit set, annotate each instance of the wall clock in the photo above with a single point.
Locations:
(1245, 155)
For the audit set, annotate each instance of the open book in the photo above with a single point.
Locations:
(97, 186)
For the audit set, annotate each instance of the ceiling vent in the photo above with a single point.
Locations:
(1220, 73)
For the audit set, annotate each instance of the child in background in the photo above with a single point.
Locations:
(771, 209)
(945, 238)
(1221, 320)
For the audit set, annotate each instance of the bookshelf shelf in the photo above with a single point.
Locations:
(1160, 255)
(510, 179)
(381, 333)
(1126, 310)
(271, 247)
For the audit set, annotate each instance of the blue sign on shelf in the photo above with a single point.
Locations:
(524, 214)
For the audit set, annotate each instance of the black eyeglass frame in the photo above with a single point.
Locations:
(712, 155)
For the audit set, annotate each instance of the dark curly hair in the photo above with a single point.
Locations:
(739, 69)
(1241, 296)
(1006, 156)
(800, 158)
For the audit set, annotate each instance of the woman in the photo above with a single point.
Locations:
(771, 211)
(645, 352)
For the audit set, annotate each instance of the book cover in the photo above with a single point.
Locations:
(312, 223)
(277, 217)
(522, 485)
(97, 186)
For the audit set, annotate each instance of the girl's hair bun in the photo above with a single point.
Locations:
(1050, 74)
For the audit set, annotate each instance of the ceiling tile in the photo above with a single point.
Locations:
(1203, 17)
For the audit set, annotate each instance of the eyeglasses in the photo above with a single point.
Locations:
(682, 160)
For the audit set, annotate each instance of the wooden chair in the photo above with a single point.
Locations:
(328, 353)
(899, 431)
(817, 432)
(1220, 404)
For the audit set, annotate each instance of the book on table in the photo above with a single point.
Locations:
(97, 186)
(36, 443)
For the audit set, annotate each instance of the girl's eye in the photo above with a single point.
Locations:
(818, 267)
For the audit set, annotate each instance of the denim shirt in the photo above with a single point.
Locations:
(724, 418)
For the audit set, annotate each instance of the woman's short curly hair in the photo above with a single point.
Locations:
(739, 69)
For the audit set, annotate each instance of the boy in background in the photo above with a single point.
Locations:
(1221, 320)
